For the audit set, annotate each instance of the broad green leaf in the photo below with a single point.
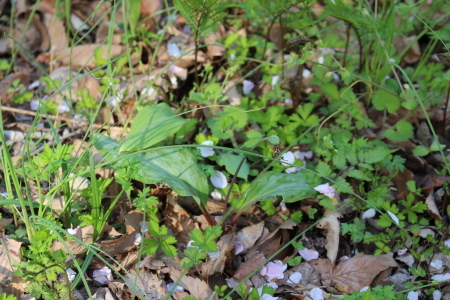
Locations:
(403, 133)
(253, 137)
(292, 187)
(231, 161)
(331, 90)
(168, 249)
(152, 125)
(421, 151)
(175, 166)
(436, 146)
(150, 246)
(385, 100)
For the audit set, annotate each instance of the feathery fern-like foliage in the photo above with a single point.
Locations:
(347, 13)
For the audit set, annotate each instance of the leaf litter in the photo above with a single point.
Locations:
(266, 247)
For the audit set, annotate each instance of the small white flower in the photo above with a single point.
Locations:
(413, 295)
(308, 254)
(288, 101)
(306, 73)
(345, 257)
(35, 104)
(247, 86)
(239, 247)
(173, 50)
(288, 157)
(103, 275)
(34, 85)
(71, 274)
(364, 289)
(273, 270)
(283, 206)
(206, 152)
(304, 155)
(326, 189)
(316, 294)
(394, 218)
(402, 251)
(370, 213)
(219, 181)
(295, 277)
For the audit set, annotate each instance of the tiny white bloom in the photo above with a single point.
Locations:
(34, 85)
(441, 277)
(364, 289)
(206, 152)
(239, 247)
(219, 181)
(394, 218)
(35, 104)
(402, 251)
(306, 73)
(326, 189)
(436, 263)
(216, 195)
(370, 213)
(316, 294)
(288, 101)
(283, 206)
(288, 157)
(73, 231)
(247, 86)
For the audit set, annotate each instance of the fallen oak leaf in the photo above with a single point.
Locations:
(332, 225)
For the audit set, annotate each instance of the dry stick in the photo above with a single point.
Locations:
(51, 117)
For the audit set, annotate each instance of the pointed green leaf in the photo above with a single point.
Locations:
(292, 187)
(231, 161)
(175, 166)
(152, 125)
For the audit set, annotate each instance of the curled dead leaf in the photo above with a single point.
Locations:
(331, 223)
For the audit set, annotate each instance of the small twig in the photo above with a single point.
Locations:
(445, 110)
(51, 117)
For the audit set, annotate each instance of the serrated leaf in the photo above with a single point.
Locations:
(150, 247)
(152, 125)
(384, 100)
(231, 161)
(292, 187)
(403, 133)
(375, 155)
(168, 249)
(175, 166)
(323, 169)
(339, 160)
(253, 138)
(358, 174)
(205, 241)
(331, 90)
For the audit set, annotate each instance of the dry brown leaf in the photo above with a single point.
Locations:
(214, 48)
(357, 272)
(252, 263)
(9, 255)
(431, 203)
(80, 56)
(145, 284)
(331, 223)
(249, 235)
(413, 54)
(196, 287)
(178, 220)
(225, 244)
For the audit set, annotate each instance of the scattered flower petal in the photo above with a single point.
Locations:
(402, 251)
(247, 86)
(316, 294)
(213, 255)
(273, 270)
(219, 181)
(288, 157)
(34, 85)
(283, 206)
(206, 152)
(345, 257)
(447, 243)
(292, 170)
(35, 104)
(239, 247)
(173, 50)
(103, 275)
(172, 287)
(436, 263)
(288, 101)
(441, 277)
(306, 73)
(74, 230)
(144, 226)
(304, 155)
(394, 218)
(138, 239)
(216, 195)
(364, 289)
(437, 295)
(275, 79)
(71, 274)
(308, 254)
(63, 107)
(268, 297)
(370, 213)
(413, 295)
(326, 189)
(295, 277)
